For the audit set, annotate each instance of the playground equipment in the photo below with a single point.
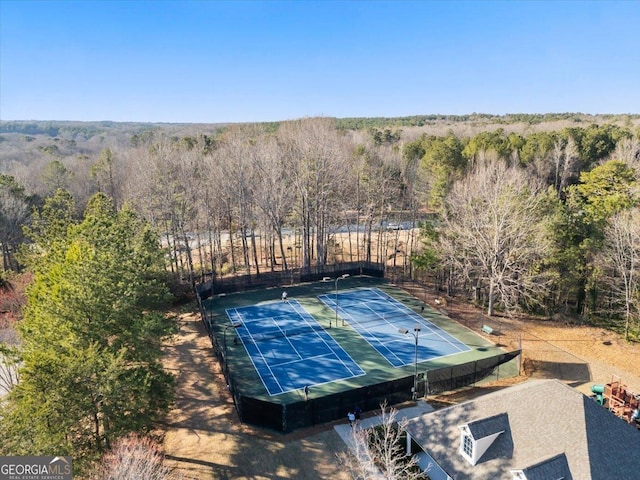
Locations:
(598, 393)
(620, 401)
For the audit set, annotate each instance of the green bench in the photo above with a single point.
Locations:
(487, 329)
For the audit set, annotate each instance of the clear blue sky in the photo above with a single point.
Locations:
(236, 61)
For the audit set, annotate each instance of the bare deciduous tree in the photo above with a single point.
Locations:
(235, 182)
(105, 173)
(318, 168)
(163, 185)
(379, 452)
(568, 170)
(619, 265)
(274, 195)
(379, 186)
(493, 235)
(134, 458)
(627, 150)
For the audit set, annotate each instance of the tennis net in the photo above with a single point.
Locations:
(393, 318)
(284, 332)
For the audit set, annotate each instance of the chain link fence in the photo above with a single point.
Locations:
(286, 417)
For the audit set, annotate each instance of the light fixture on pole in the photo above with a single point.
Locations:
(341, 277)
(415, 333)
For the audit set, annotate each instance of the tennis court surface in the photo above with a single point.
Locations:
(289, 349)
(379, 318)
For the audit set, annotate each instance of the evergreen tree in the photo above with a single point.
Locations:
(91, 335)
(579, 227)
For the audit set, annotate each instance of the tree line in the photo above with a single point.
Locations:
(421, 120)
(291, 194)
(534, 223)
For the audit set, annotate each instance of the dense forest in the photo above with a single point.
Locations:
(521, 209)
(534, 213)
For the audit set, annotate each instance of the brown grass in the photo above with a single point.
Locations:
(580, 355)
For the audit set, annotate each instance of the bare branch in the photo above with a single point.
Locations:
(493, 234)
(379, 452)
(134, 458)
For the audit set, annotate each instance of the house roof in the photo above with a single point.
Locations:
(545, 418)
(488, 426)
(551, 469)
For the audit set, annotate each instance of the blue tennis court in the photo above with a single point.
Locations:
(289, 348)
(378, 317)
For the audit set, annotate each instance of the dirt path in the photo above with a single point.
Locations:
(203, 438)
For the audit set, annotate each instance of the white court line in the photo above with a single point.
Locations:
(289, 342)
(379, 342)
(284, 333)
(384, 322)
(306, 358)
(422, 321)
(305, 316)
(433, 330)
(266, 363)
(332, 340)
(262, 319)
(354, 374)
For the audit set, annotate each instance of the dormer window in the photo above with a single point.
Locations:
(477, 436)
(467, 446)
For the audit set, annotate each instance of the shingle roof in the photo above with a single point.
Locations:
(545, 418)
(551, 469)
(488, 426)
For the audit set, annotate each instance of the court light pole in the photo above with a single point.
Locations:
(415, 333)
(209, 318)
(224, 338)
(341, 277)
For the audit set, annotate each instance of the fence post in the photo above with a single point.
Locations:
(450, 378)
(520, 356)
(426, 385)
(475, 372)
(284, 418)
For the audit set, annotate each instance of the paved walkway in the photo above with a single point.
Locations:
(344, 429)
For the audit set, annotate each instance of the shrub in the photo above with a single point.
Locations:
(134, 458)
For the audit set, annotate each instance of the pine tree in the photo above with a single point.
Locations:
(91, 335)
